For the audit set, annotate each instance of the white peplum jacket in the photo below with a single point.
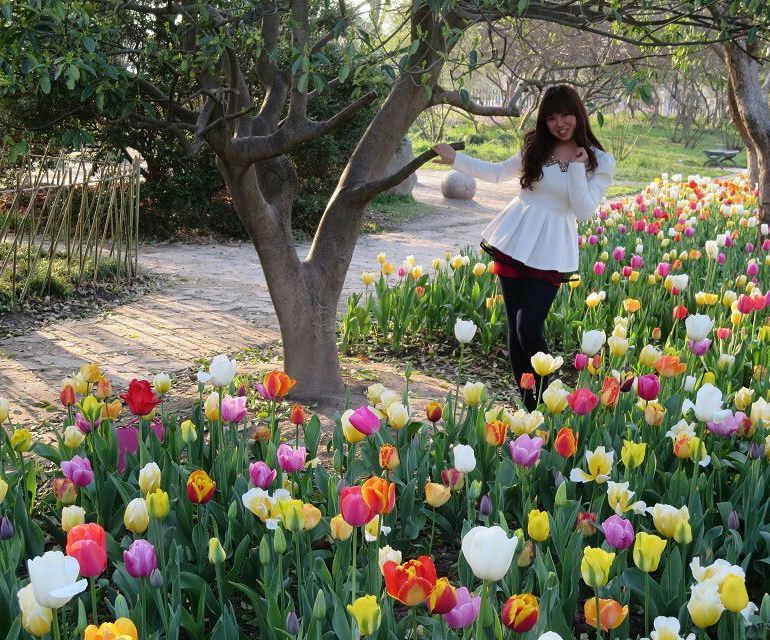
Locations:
(539, 226)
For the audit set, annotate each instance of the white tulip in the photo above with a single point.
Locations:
(667, 629)
(689, 383)
(550, 635)
(464, 330)
(592, 342)
(764, 228)
(698, 326)
(489, 552)
(149, 478)
(222, 370)
(464, 458)
(680, 281)
(387, 553)
(712, 249)
(708, 404)
(53, 577)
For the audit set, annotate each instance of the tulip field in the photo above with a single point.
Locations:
(632, 503)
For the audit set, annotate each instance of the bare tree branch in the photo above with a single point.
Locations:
(444, 96)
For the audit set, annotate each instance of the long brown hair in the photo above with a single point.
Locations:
(539, 143)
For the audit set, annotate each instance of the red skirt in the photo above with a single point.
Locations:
(506, 266)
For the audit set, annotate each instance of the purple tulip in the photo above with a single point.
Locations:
(733, 520)
(728, 241)
(291, 459)
(85, 425)
(637, 262)
(727, 427)
(465, 612)
(78, 471)
(365, 420)
(485, 505)
(6, 529)
(648, 386)
(699, 347)
(261, 475)
(233, 408)
(156, 579)
(756, 450)
(292, 623)
(749, 247)
(721, 258)
(622, 228)
(619, 253)
(140, 559)
(752, 269)
(689, 232)
(525, 451)
(619, 532)
(593, 239)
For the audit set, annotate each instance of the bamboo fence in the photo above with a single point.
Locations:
(67, 206)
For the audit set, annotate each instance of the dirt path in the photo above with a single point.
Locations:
(218, 302)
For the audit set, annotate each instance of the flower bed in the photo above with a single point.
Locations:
(632, 505)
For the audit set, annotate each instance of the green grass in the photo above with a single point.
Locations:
(62, 282)
(388, 210)
(652, 153)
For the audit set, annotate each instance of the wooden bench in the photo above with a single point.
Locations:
(718, 157)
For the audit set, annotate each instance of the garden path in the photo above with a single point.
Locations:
(217, 302)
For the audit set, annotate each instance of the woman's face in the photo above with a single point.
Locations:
(561, 126)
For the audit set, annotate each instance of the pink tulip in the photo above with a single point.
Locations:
(619, 532)
(84, 425)
(727, 427)
(465, 611)
(354, 509)
(745, 303)
(582, 401)
(78, 471)
(637, 262)
(140, 559)
(291, 459)
(619, 253)
(752, 269)
(525, 451)
(599, 268)
(581, 361)
(261, 475)
(365, 420)
(128, 439)
(233, 408)
(648, 386)
(664, 268)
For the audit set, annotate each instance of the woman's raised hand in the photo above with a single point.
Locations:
(445, 152)
(580, 155)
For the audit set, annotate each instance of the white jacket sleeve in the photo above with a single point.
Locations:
(488, 171)
(586, 192)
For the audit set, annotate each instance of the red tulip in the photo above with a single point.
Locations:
(582, 401)
(140, 398)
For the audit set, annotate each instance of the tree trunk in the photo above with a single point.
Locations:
(752, 157)
(305, 306)
(751, 103)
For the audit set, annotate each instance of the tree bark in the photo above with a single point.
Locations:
(754, 114)
(752, 156)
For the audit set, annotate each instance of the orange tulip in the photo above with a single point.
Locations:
(566, 442)
(434, 410)
(495, 433)
(67, 396)
(278, 384)
(611, 614)
(610, 392)
(389, 459)
(527, 381)
(103, 389)
(379, 494)
(412, 582)
(297, 415)
(670, 366)
(520, 612)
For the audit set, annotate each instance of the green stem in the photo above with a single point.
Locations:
(457, 385)
(298, 556)
(355, 568)
(56, 632)
(432, 526)
(142, 611)
(93, 601)
(220, 595)
(646, 602)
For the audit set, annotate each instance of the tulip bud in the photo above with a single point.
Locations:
(292, 623)
(73, 437)
(475, 489)
(485, 506)
(264, 551)
(156, 579)
(217, 553)
(6, 529)
(65, 490)
(279, 541)
(319, 606)
(733, 521)
(527, 554)
(72, 516)
(561, 495)
(189, 431)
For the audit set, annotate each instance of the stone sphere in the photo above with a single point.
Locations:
(459, 186)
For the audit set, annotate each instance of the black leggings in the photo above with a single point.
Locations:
(527, 302)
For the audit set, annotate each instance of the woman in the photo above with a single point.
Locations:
(564, 173)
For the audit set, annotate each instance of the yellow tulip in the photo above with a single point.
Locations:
(3, 490)
(743, 398)
(472, 393)
(211, 407)
(292, 514)
(555, 397)
(436, 495)
(35, 618)
(90, 372)
(705, 606)
(21, 440)
(595, 566)
(538, 525)
(189, 431)
(733, 593)
(672, 522)
(340, 529)
(136, 518)
(366, 612)
(647, 551)
(545, 364)
(312, 516)
(632, 454)
(157, 504)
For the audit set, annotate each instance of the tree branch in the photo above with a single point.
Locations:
(444, 96)
(360, 194)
